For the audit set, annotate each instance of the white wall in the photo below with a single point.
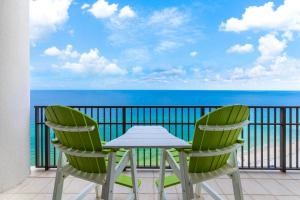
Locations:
(14, 92)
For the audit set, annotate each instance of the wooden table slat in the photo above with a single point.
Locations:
(147, 137)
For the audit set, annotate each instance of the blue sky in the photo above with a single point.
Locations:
(110, 44)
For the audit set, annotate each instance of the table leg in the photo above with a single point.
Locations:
(162, 174)
(187, 187)
(135, 186)
(107, 189)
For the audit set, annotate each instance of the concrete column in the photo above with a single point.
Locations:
(14, 92)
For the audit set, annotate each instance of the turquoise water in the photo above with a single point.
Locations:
(170, 97)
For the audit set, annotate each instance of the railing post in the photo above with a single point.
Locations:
(47, 147)
(37, 137)
(123, 120)
(283, 139)
(202, 112)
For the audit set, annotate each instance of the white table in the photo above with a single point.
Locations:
(146, 137)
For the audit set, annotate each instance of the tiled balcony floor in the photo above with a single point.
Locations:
(256, 185)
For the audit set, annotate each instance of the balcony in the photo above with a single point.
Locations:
(256, 185)
(271, 148)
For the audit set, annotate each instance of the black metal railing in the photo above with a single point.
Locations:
(271, 138)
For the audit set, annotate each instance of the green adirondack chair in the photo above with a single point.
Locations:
(77, 137)
(212, 154)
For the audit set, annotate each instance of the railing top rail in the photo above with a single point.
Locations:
(165, 106)
(271, 137)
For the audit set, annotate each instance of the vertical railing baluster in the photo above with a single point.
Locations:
(144, 120)
(137, 150)
(104, 125)
(150, 159)
(37, 136)
(47, 145)
(255, 138)
(131, 122)
(261, 138)
(188, 136)
(42, 124)
(290, 136)
(169, 119)
(123, 120)
(275, 137)
(182, 123)
(283, 139)
(117, 122)
(248, 142)
(202, 111)
(242, 150)
(110, 132)
(156, 123)
(297, 137)
(163, 117)
(268, 137)
(176, 122)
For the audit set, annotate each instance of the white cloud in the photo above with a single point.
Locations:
(254, 72)
(273, 64)
(174, 27)
(136, 56)
(257, 71)
(242, 49)
(193, 53)
(167, 28)
(137, 70)
(85, 6)
(102, 9)
(164, 75)
(93, 62)
(166, 45)
(68, 52)
(126, 12)
(173, 72)
(52, 51)
(47, 16)
(270, 47)
(288, 35)
(285, 18)
(281, 68)
(167, 17)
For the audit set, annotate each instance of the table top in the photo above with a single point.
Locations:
(147, 137)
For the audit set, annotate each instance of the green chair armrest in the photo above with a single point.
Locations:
(55, 141)
(126, 181)
(169, 181)
(240, 141)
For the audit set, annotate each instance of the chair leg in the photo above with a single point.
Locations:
(58, 187)
(198, 190)
(59, 180)
(97, 188)
(107, 188)
(103, 191)
(162, 174)
(187, 187)
(237, 186)
(135, 186)
(236, 180)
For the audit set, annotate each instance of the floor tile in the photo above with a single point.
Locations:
(250, 186)
(273, 187)
(256, 185)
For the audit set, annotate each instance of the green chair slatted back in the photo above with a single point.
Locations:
(83, 141)
(211, 140)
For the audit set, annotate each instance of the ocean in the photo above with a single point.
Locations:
(157, 98)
